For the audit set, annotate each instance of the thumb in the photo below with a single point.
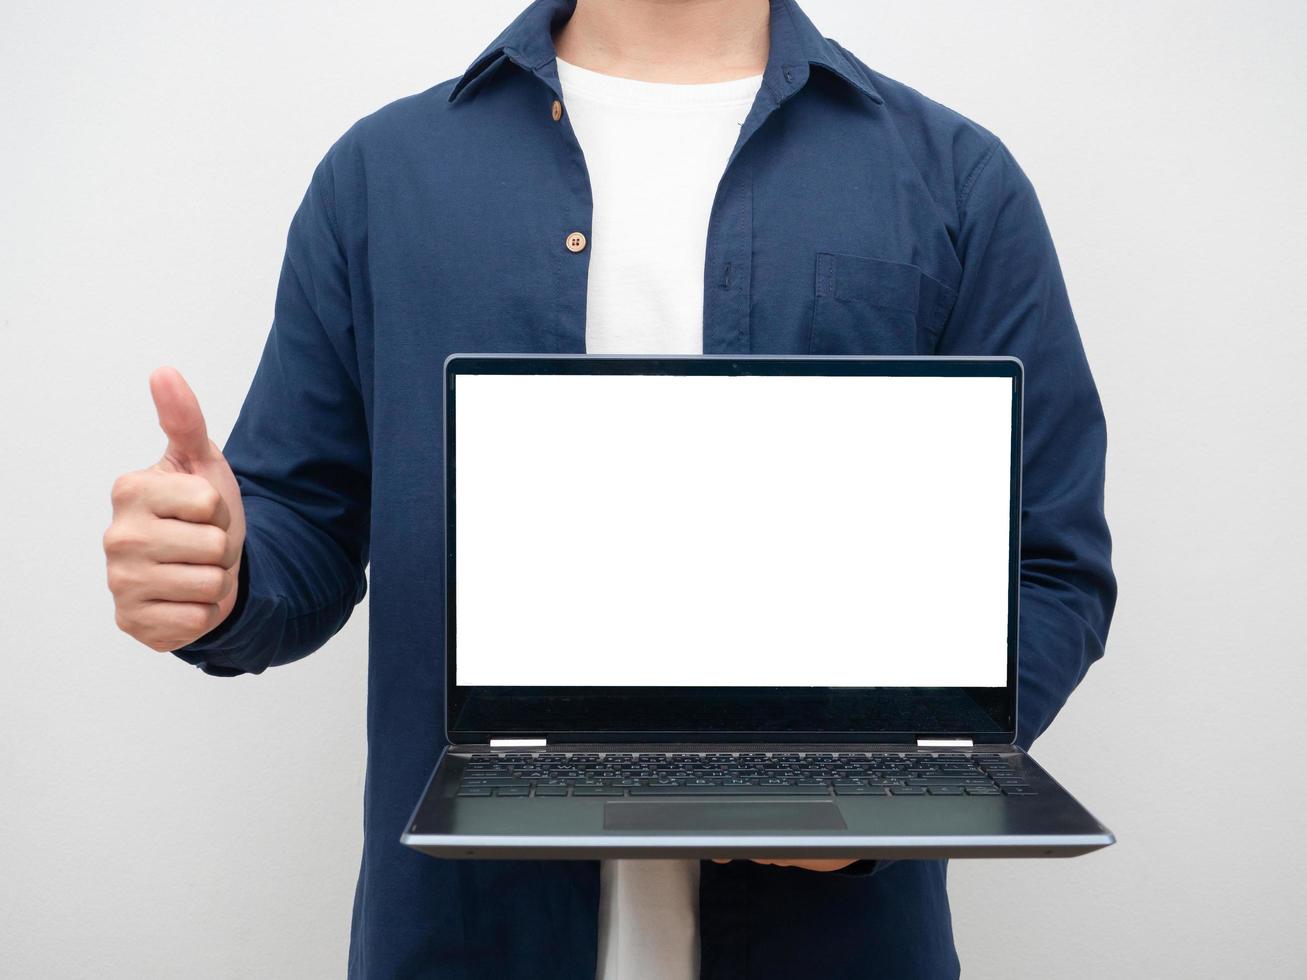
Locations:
(180, 418)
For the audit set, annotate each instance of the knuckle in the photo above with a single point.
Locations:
(120, 540)
(126, 489)
(117, 579)
(211, 585)
(214, 545)
(209, 500)
(195, 621)
(228, 584)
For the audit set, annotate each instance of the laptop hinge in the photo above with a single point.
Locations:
(517, 743)
(944, 743)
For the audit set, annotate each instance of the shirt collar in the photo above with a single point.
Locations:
(795, 46)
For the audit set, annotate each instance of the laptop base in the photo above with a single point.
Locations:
(747, 822)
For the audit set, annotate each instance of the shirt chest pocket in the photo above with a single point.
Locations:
(872, 306)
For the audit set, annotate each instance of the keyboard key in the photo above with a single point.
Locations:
(475, 791)
(983, 791)
(945, 790)
(597, 791)
(908, 790)
(858, 789)
(512, 790)
(547, 789)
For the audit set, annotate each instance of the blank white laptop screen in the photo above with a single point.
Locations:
(743, 531)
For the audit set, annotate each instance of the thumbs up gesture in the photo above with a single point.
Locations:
(174, 546)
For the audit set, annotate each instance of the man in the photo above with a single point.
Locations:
(746, 186)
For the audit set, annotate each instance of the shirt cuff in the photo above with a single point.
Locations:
(225, 650)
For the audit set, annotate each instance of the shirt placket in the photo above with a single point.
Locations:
(571, 243)
(728, 258)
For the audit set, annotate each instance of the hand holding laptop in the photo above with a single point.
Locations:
(832, 864)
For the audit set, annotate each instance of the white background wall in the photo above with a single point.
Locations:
(158, 823)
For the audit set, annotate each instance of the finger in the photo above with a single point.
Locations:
(172, 541)
(180, 418)
(166, 494)
(204, 584)
(834, 864)
(169, 625)
(819, 864)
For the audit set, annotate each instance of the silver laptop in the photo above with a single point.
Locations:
(735, 607)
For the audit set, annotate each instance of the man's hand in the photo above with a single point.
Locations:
(174, 546)
(830, 864)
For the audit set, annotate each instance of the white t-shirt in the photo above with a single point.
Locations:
(655, 153)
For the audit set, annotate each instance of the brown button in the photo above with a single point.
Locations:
(575, 242)
(556, 110)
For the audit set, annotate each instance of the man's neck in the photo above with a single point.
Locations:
(682, 41)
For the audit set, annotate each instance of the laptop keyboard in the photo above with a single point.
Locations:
(616, 774)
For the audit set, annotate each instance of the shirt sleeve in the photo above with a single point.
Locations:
(1012, 300)
(300, 451)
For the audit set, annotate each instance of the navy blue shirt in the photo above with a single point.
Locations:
(855, 217)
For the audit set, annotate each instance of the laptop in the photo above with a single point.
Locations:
(733, 607)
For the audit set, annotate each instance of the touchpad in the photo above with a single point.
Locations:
(724, 815)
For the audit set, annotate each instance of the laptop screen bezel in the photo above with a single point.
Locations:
(476, 714)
